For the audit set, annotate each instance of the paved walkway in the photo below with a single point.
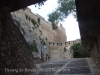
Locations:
(78, 66)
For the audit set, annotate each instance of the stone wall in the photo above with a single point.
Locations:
(92, 46)
(14, 51)
(57, 51)
(44, 31)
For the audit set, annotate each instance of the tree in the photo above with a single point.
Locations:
(65, 8)
(78, 51)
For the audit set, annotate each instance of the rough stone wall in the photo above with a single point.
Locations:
(14, 51)
(47, 30)
(89, 25)
(30, 33)
(57, 51)
(92, 45)
(48, 34)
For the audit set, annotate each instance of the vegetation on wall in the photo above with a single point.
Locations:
(40, 32)
(38, 20)
(17, 22)
(43, 43)
(33, 46)
(65, 49)
(78, 51)
(27, 17)
(54, 26)
(37, 25)
(33, 22)
(23, 31)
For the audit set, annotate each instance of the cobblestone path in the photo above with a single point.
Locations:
(78, 66)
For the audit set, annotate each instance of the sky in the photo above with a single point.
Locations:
(70, 23)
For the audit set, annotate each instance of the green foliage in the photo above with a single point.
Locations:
(65, 49)
(37, 25)
(23, 31)
(34, 22)
(65, 8)
(78, 51)
(17, 22)
(43, 42)
(33, 46)
(40, 32)
(27, 17)
(38, 20)
(54, 26)
(55, 17)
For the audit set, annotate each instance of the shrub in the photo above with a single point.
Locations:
(78, 51)
(54, 26)
(43, 42)
(65, 49)
(33, 46)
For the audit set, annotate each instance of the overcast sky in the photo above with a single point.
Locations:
(70, 23)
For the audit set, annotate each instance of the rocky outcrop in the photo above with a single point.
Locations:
(14, 51)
